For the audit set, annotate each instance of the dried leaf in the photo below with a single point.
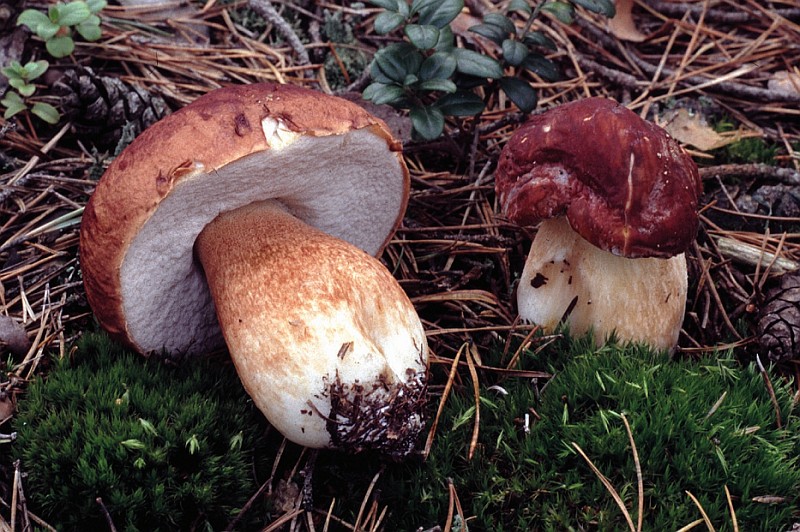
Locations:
(693, 129)
(622, 25)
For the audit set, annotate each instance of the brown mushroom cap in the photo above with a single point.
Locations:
(332, 164)
(624, 184)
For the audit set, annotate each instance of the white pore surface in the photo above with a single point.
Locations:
(346, 185)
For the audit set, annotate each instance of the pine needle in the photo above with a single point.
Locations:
(609, 487)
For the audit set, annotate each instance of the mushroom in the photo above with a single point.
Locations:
(616, 199)
(252, 218)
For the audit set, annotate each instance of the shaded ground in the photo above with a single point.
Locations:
(686, 65)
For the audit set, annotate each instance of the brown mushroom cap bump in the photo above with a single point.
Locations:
(616, 199)
(292, 193)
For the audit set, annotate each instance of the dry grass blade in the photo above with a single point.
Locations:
(609, 487)
(374, 481)
(448, 386)
(282, 520)
(473, 443)
(705, 520)
(771, 391)
(454, 509)
(639, 479)
(734, 521)
(691, 525)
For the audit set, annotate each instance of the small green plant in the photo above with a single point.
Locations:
(20, 78)
(165, 448)
(433, 78)
(56, 27)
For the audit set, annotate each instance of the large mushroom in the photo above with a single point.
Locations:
(253, 215)
(616, 201)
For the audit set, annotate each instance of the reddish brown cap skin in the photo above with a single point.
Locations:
(622, 182)
(217, 128)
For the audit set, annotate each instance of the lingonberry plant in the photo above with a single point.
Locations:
(20, 79)
(432, 76)
(56, 27)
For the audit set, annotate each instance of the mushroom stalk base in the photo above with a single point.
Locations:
(567, 279)
(324, 339)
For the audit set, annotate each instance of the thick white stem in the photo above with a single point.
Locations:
(324, 339)
(567, 278)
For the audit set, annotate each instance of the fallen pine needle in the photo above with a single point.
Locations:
(608, 486)
(706, 520)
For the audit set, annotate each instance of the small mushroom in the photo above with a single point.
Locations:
(616, 199)
(254, 215)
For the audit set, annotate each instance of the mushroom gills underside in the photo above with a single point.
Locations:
(567, 279)
(335, 183)
(324, 339)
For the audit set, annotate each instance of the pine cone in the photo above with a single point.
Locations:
(100, 106)
(779, 320)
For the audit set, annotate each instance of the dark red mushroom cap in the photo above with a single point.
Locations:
(622, 182)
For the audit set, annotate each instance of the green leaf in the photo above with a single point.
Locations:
(33, 19)
(73, 13)
(427, 121)
(410, 80)
(389, 5)
(542, 67)
(440, 65)
(387, 22)
(475, 64)
(148, 427)
(563, 12)
(133, 444)
(437, 13)
(193, 444)
(397, 61)
(537, 38)
(444, 85)
(423, 37)
(47, 31)
(501, 21)
(95, 6)
(34, 69)
(90, 29)
(22, 86)
(520, 6)
(490, 31)
(46, 112)
(514, 52)
(447, 40)
(13, 104)
(60, 46)
(236, 441)
(520, 92)
(14, 69)
(381, 93)
(461, 103)
(602, 7)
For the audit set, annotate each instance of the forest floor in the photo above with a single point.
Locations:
(721, 76)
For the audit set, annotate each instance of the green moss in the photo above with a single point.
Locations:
(746, 150)
(165, 448)
(538, 481)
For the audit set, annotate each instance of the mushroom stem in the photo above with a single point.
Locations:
(325, 340)
(568, 279)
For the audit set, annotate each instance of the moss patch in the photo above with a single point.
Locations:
(165, 448)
